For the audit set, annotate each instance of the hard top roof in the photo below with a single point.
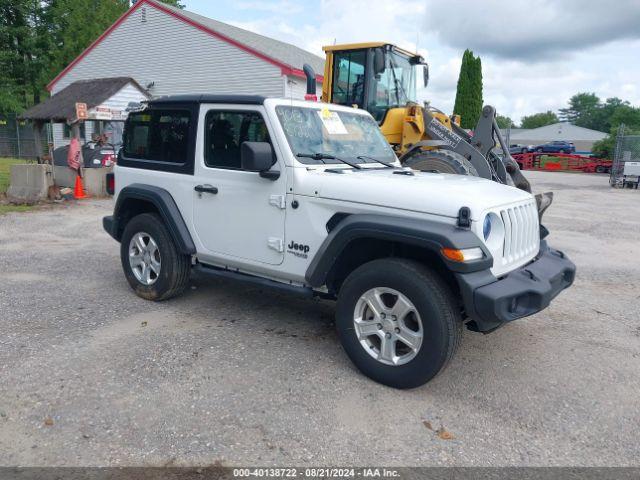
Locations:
(209, 98)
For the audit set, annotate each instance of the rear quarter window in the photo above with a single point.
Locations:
(159, 135)
(160, 139)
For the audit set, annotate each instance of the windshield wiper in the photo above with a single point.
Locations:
(326, 156)
(386, 164)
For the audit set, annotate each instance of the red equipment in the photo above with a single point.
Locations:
(571, 162)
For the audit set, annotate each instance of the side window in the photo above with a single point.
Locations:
(348, 77)
(160, 135)
(224, 133)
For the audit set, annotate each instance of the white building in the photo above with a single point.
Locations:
(171, 51)
(582, 138)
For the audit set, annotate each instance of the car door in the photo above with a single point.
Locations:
(237, 214)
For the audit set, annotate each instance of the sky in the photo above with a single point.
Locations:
(535, 53)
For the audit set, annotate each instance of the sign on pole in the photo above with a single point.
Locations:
(81, 111)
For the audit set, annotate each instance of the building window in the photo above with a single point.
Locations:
(158, 135)
(225, 132)
(66, 131)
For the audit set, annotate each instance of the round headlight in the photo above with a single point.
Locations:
(486, 227)
(493, 231)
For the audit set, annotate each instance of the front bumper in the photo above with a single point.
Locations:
(492, 302)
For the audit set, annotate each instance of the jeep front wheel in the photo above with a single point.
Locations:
(398, 322)
(440, 161)
(151, 262)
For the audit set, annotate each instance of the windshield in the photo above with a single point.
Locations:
(393, 87)
(341, 134)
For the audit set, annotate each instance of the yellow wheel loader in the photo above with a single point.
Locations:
(381, 78)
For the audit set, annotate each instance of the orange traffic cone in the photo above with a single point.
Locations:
(78, 191)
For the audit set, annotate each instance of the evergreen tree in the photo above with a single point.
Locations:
(22, 54)
(582, 106)
(468, 102)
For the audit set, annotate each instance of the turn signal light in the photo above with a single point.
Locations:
(465, 255)
(453, 254)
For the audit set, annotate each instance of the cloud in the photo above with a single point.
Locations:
(287, 7)
(532, 29)
(535, 54)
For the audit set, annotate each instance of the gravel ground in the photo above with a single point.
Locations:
(90, 374)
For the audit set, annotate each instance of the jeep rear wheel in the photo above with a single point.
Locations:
(151, 262)
(398, 322)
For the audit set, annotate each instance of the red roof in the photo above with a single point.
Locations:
(285, 68)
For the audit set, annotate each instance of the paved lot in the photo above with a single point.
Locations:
(92, 375)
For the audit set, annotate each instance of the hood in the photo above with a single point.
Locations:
(434, 193)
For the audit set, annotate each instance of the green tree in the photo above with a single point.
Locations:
(74, 24)
(581, 109)
(468, 102)
(626, 114)
(505, 122)
(22, 54)
(623, 113)
(604, 148)
(38, 38)
(539, 120)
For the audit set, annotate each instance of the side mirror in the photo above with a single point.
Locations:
(258, 157)
(379, 61)
(425, 75)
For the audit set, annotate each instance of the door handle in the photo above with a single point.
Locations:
(206, 189)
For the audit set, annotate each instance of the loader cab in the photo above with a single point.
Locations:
(376, 77)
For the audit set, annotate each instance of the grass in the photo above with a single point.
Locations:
(8, 208)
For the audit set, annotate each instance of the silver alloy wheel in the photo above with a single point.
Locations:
(144, 258)
(388, 326)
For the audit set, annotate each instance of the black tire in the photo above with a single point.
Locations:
(441, 161)
(601, 169)
(175, 267)
(433, 300)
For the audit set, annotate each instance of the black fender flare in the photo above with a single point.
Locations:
(166, 206)
(427, 234)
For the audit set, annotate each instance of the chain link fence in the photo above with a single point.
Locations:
(627, 149)
(17, 138)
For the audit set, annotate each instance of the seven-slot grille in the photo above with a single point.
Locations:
(521, 232)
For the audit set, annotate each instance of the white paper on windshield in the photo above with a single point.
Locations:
(332, 123)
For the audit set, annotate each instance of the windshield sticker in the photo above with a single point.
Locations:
(332, 122)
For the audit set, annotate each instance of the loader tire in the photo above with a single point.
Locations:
(441, 161)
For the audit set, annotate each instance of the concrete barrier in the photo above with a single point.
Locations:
(29, 183)
(93, 179)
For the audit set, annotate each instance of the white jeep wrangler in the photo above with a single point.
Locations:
(310, 197)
